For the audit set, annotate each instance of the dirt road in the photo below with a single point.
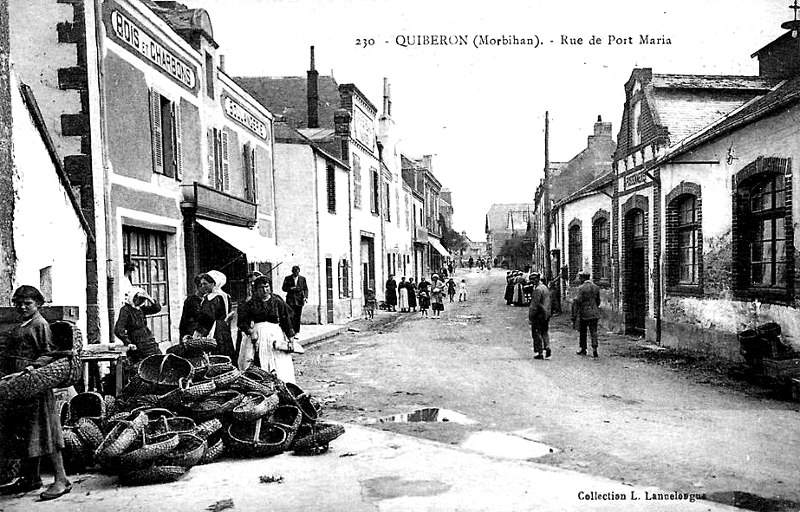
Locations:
(635, 415)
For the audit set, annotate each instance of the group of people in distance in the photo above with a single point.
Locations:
(406, 295)
(585, 314)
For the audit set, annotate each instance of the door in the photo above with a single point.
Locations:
(638, 292)
(635, 279)
(329, 288)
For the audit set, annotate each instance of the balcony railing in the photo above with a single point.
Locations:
(210, 203)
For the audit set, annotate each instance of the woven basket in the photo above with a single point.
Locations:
(196, 346)
(153, 475)
(164, 425)
(313, 437)
(188, 452)
(122, 435)
(61, 373)
(259, 374)
(291, 394)
(192, 391)
(154, 413)
(89, 433)
(289, 417)
(255, 405)
(76, 455)
(87, 405)
(257, 437)
(149, 449)
(63, 413)
(216, 404)
(165, 370)
(208, 427)
(246, 384)
(111, 404)
(214, 449)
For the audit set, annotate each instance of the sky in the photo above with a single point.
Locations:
(480, 110)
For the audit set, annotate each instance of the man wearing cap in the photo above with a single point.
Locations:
(586, 310)
(539, 317)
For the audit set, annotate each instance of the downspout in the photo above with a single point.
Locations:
(351, 270)
(382, 216)
(103, 236)
(316, 236)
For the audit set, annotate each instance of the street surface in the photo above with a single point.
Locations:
(635, 415)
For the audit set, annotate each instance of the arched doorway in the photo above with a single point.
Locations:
(635, 271)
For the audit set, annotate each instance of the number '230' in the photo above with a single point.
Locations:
(365, 42)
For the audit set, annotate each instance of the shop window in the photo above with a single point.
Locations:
(165, 128)
(218, 161)
(764, 245)
(601, 249)
(330, 175)
(148, 251)
(575, 246)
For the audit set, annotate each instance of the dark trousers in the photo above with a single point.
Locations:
(540, 335)
(592, 325)
(297, 313)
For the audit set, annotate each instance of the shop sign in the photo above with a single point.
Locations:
(144, 45)
(637, 178)
(245, 118)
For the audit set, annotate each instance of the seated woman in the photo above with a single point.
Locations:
(266, 318)
(214, 313)
(131, 327)
(32, 429)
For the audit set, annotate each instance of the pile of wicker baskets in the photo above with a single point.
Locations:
(181, 411)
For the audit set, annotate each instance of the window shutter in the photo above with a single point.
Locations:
(225, 162)
(176, 116)
(212, 175)
(155, 128)
(248, 184)
(254, 173)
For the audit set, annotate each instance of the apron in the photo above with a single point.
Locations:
(262, 353)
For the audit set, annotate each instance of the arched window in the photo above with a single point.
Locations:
(688, 243)
(575, 249)
(601, 262)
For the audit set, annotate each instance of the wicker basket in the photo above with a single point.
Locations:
(87, 405)
(207, 428)
(313, 438)
(77, 455)
(255, 405)
(197, 346)
(154, 413)
(63, 413)
(247, 384)
(165, 370)
(259, 374)
(122, 435)
(111, 404)
(188, 452)
(89, 433)
(216, 404)
(164, 425)
(153, 475)
(192, 391)
(289, 417)
(61, 373)
(291, 394)
(214, 448)
(257, 437)
(223, 376)
(149, 449)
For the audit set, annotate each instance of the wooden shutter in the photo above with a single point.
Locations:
(225, 162)
(155, 129)
(176, 129)
(212, 174)
(254, 173)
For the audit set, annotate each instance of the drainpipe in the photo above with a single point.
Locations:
(316, 236)
(382, 216)
(351, 270)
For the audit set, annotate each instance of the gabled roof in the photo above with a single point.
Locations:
(286, 96)
(285, 134)
(497, 218)
(596, 185)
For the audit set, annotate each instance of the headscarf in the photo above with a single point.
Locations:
(132, 293)
(219, 281)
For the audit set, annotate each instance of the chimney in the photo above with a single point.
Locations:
(312, 95)
(387, 101)
(601, 131)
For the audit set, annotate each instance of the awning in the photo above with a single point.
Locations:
(439, 247)
(255, 247)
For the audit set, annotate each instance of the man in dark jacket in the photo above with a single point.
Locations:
(586, 311)
(539, 317)
(296, 295)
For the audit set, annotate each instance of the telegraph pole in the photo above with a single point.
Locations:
(546, 198)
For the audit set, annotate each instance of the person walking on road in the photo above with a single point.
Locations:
(539, 317)
(462, 291)
(391, 293)
(451, 289)
(437, 295)
(296, 291)
(424, 296)
(586, 312)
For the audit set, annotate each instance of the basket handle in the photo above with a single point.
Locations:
(161, 367)
(257, 431)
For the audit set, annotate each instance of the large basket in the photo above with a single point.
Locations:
(149, 449)
(192, 391)
(255, 405)
(291, 394)
(89, 433)
(87, 405)
(207, 428)
(164, 425)
(196, 346)
(216, 404)
(61, 373)
(214, 448)
(257, 437)
(223, 377)
(165, 370)
(153, 475)
(313, 439)
(188, 452)
(122, 435)
(289, 417)
(246, 383)
(77, 456)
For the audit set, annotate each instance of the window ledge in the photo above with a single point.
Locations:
(687, 290)
(770, 296)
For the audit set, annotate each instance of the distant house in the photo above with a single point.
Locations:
(504, 221)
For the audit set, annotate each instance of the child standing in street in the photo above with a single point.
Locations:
(462, 291)
(451, 289)
(369, 303)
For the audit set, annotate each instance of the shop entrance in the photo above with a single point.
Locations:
(635, 279)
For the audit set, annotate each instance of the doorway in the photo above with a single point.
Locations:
(635, 281)
(329, 289)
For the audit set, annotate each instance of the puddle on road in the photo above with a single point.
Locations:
(389, 487)
(429, 414)
(749, 501)
(506, 446)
